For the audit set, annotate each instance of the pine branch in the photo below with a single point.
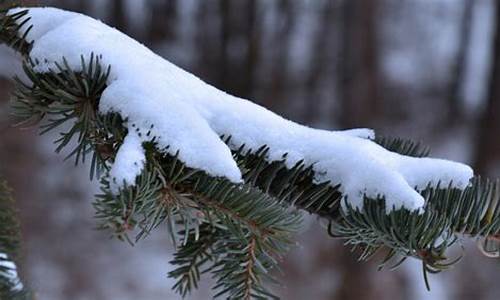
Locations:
(241, 229)
(10, 284)
(194, 255)
(11, 31)
(191, 200)
(252, 265)
(449, 215)
(404, 147)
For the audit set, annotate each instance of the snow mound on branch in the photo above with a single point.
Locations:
(129, 161)
(188, 115)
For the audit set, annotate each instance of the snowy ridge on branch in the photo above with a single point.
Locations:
(129, 160)
(188, 115)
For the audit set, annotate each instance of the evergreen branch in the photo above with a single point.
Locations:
(252, 220)
(121, 211)
(193, 200)
(403, 146)
(246, 283)
(294, 186)
(245, 216)
(474, 211)
(406, 233)
(191, 257)
(449, 215)
(60, 96)
(11, 31)
(9, 231)
(11, 286)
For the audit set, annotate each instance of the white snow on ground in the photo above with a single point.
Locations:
(10, 272)
(188, 115)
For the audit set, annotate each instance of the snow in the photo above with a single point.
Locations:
(129, 161)
(10, 272)
(186, 115)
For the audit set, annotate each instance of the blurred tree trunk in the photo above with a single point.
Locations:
(239, 46)
(318, 61)
(82, 6)
(286, 15)
(488, 145)
(163, 21)
(358, 85)
(458, 70)
(353, 273)
(225, 35)
(359, 78)
(12, 3)
(358, 90)
(117, 15)
(208, 43)
(252, 57)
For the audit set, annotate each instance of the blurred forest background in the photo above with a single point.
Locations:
(422, 69)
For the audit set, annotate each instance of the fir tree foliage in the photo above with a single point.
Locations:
(236, 232)
(10, 285)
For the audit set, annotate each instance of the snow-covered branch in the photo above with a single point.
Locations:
(175, 149)
(186, 115)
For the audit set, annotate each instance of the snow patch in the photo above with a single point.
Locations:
(186, 115)
(8, 270)
(129, 162)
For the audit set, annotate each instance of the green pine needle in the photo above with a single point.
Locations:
(10, 288)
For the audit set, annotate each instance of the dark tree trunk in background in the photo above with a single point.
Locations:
(163, 21)
(358, 85)
(117, 15)
(277, 86)
(458, 70)
(239, 46)
(360, 281)
(488, 146)
(208, 60)
(225, 35)
(252, 58)
(81, 6)
(318, 61)
(359, 64)
(353, 274)
(4, 4)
